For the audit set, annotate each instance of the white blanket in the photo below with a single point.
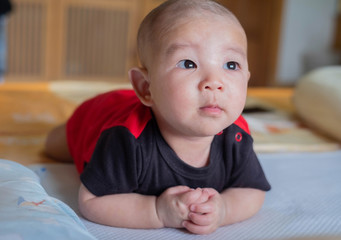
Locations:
(27, 212)
(305, 201)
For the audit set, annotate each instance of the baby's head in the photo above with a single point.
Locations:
(194, 70)
(170, 15)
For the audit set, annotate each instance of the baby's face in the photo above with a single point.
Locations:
(198, 80)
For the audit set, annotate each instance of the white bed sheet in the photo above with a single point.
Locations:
(304, 203)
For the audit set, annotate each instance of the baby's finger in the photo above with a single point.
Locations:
(202, 208)
(200, 219)
(197, 229)
(211, 191)
(205, 195)
(191, 196)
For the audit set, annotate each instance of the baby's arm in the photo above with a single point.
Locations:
(56, 144)
(132, 210)
(231, 206)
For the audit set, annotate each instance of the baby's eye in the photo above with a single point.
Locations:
(231, 65)
(186, 64)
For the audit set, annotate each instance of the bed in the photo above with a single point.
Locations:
(39, 196)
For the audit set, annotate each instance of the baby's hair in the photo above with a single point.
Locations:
(166, 16)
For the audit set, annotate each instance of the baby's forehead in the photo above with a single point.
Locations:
(171, 20)
(163, 22)
(167, 26)
(178, 27)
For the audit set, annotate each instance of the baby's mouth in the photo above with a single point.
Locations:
(211, 109)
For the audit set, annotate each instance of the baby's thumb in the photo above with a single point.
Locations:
(191, 197)
(205, 195)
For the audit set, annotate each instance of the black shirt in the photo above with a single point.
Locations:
(122, 163)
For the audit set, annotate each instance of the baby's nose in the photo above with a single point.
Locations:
(211, 83)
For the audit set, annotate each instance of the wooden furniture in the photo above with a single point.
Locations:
(95, 39)
(261, 20)
(337, 37)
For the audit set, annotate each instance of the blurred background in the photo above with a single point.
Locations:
(86, 40)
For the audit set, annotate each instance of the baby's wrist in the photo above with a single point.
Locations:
(158, 213)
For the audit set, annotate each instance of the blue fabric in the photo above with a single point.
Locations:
(28, 212)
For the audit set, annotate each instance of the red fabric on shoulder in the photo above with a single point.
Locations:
(241, 122)
(126, 110)
(90, 119)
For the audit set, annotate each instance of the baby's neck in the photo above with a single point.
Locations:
(193, 151)
(196, 158)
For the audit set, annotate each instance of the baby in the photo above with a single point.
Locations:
(175, 152)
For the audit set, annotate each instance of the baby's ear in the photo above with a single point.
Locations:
(139, 79)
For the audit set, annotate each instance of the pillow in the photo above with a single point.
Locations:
(317, 99)
(28, 212)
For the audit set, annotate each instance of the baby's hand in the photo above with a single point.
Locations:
(206, 217)
(173, 205)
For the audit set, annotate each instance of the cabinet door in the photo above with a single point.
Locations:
(72, 39)
(149, 5)
(97, 38)
(27, 39)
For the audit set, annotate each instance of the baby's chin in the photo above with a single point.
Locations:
(210, 131)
